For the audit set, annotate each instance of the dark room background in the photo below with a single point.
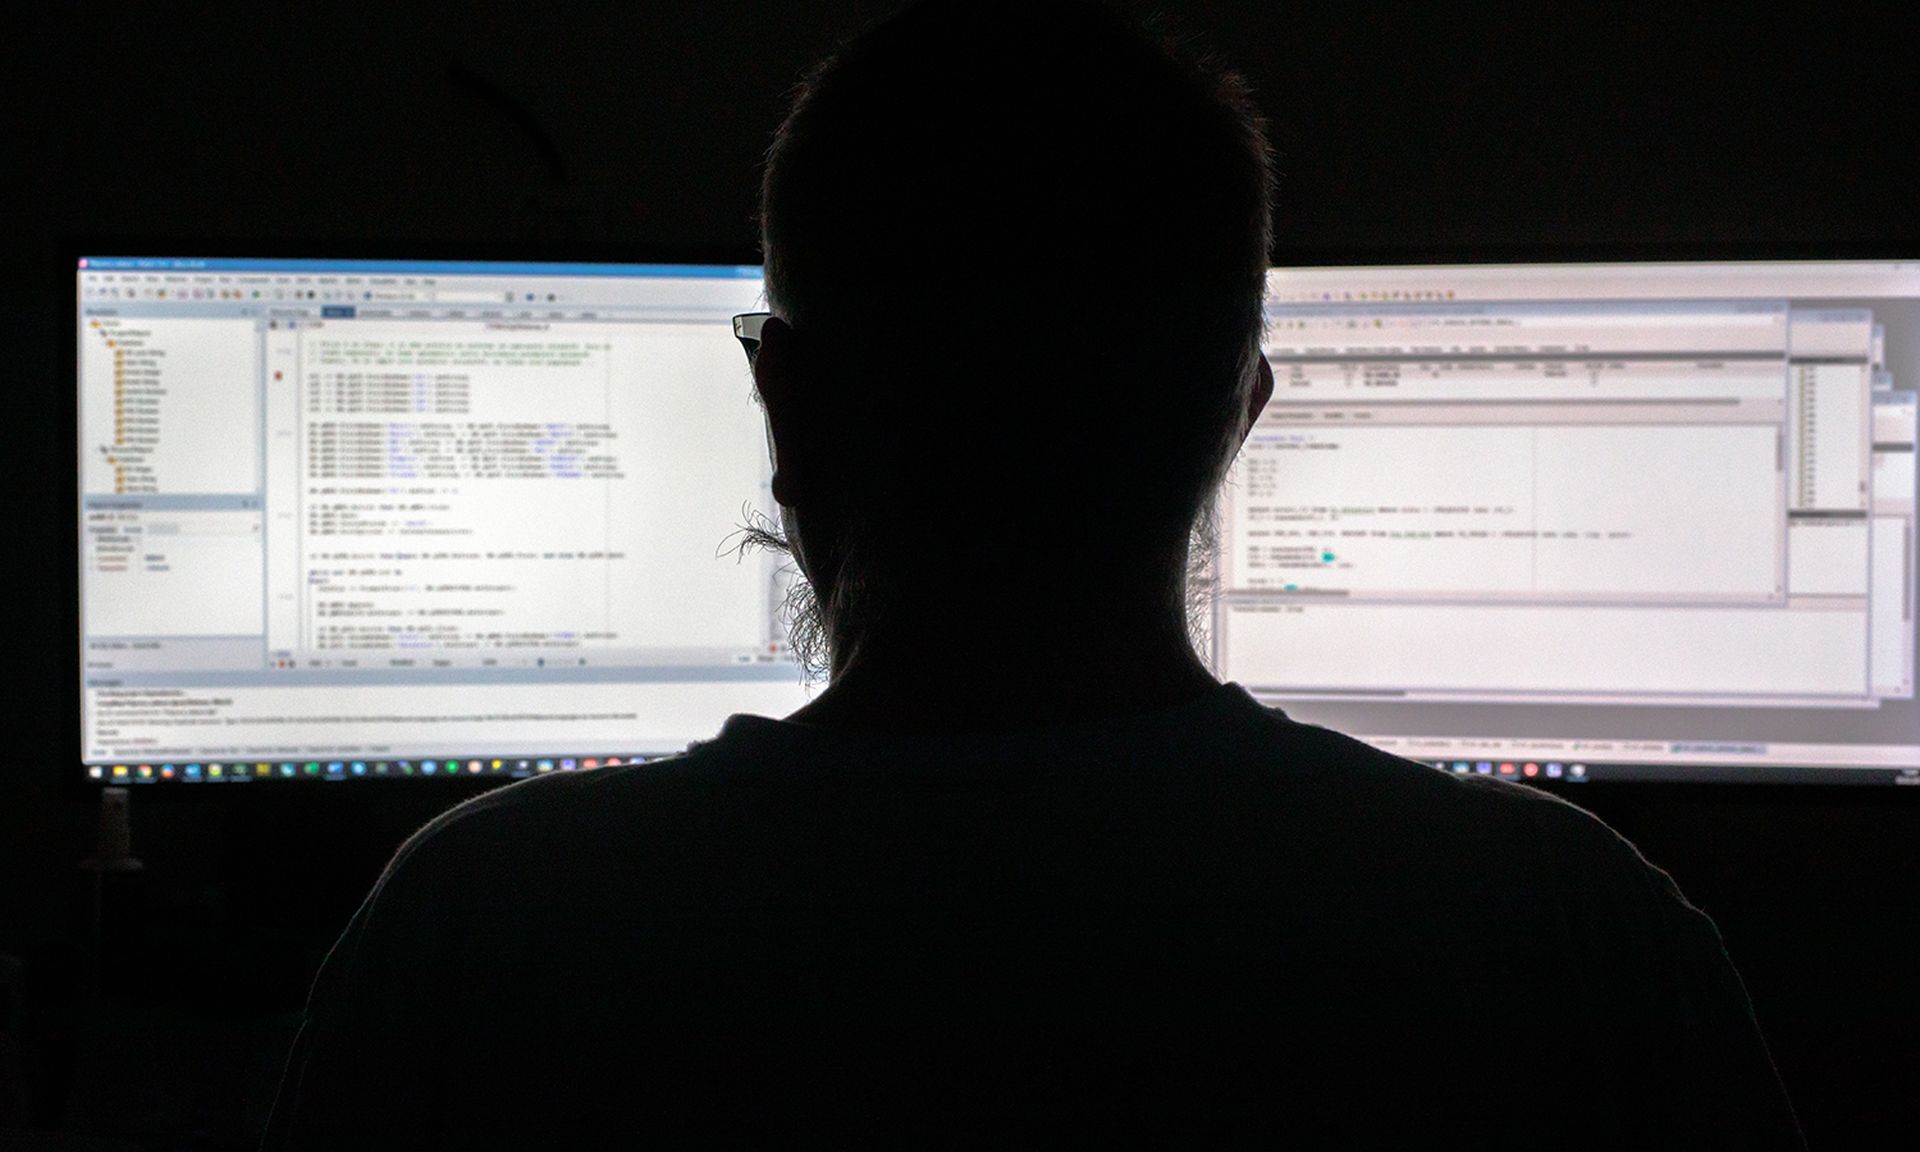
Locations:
(1404, 132)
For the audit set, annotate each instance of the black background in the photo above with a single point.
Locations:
(1404, 132)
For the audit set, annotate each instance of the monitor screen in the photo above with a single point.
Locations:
(1587, 520)
(354, 518)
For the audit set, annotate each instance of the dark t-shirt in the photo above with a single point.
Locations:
(1208, 924)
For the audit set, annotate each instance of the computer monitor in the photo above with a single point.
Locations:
(343, 519)
(1587, 521)
(346, 519)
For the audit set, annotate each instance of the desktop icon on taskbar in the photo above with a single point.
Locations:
(337, 770)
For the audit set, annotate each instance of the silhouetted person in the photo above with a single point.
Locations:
(1024, 872)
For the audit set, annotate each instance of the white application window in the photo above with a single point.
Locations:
(383, 508)
(1653, 512)
(1527, 473)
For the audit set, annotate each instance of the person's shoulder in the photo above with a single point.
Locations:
(542, 818)
(1343, 770)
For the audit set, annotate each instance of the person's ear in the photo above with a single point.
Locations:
(1258, 395)
(779, 375)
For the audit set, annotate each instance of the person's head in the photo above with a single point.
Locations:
(1016, 252)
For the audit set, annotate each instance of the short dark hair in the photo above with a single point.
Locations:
(1032, 175)
(1034, 237)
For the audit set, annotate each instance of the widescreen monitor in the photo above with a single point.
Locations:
(349, 519)
(1628, 520)
(411, 518)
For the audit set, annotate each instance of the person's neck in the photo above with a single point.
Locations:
(998, 672)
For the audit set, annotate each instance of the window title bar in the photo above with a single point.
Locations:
(412, 267)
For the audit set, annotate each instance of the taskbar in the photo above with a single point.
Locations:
(239, 771)
(1590, 771)
(519, 767)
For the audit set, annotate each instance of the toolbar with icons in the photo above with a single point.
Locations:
(238, 771)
